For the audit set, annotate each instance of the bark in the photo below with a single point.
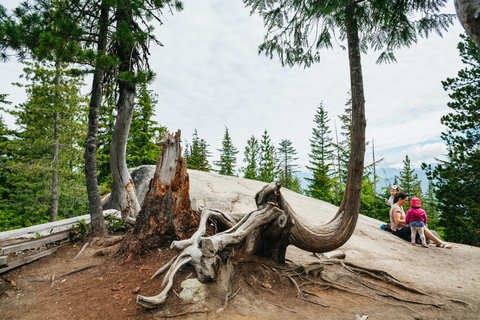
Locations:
(166, 213)
(353, 186)
(468, 12)
(90, 155)
(122, 182)
(54, 199)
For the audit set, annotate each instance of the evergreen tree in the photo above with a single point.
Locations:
(251, 157)
(320, 186)
(430, 205)
(298, 30)
(456, 179)
(296, 185)
(268, 168)
(409, 181)
(106, 122)
(286, 159)
(343, 147)
(144, 132)
(198, 156)
(33, 150)
(227, 156)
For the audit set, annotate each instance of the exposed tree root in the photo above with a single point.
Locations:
(345, 277)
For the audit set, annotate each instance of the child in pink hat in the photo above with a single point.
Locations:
(417, 219)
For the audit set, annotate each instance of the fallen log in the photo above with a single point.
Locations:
(34, 243)
(27, 259)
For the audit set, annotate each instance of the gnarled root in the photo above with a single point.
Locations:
(206, 253)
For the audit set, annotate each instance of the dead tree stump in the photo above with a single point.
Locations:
(166, 214)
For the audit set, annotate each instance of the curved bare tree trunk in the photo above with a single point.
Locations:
(468, 12)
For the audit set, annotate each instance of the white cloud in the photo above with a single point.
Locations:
(418, 154)
(209, 75)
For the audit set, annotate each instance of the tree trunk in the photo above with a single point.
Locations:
(90, 155)
(468, 12)
(353, 185)
(166, 213)
(123, 185)
(54, 199)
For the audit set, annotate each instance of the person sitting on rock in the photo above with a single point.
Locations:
(401, 229)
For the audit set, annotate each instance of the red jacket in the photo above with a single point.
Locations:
(415, 215)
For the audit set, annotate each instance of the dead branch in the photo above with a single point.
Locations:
(79, 253)
(78, 270)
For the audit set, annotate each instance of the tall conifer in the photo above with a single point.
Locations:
(320, 185)
(228, 157)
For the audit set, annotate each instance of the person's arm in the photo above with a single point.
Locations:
(397, 216)
(407, 217)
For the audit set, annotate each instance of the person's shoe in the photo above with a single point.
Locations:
(413, 242)
(424, 244)
(445, 245)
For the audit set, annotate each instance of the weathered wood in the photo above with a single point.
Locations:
(34, 243)
(207, 254)
(166, 213)
(45, 229)
(3, 261)
(27, 259)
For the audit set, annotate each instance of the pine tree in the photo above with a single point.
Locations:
(43, 126)
(430, 205)
(286, 158)
(144, 132)
(298, 30)
(409, 181)
(251, 157)
(320, 185)
(456, 179)
(198, 156)
(106, 122)
(227, 156)
(268, 168)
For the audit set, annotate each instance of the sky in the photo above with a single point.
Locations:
(209, 76)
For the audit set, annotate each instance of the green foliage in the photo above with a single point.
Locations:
(430, 205)
(298, 30)
(28, 156)
(252, 158)
(455, 180)
(268, 168)
(106, 123)
(144, 132)
(113, 225)
(197, 154)
(409, 181)
(286, 158)
(78, 231)
(227, 156)
(320, 186)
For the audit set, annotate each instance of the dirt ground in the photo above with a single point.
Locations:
(109, 291)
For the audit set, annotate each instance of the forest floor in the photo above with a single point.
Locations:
(260, 291)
